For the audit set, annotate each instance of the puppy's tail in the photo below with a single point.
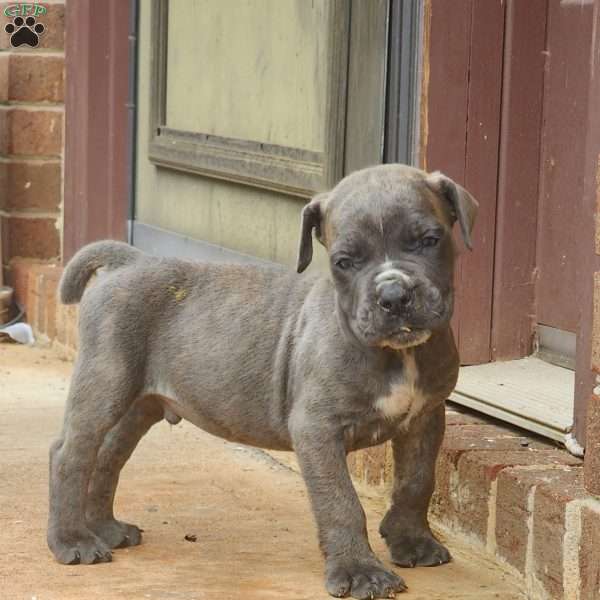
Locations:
(108, 254)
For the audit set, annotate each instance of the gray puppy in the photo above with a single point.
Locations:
(258, 355)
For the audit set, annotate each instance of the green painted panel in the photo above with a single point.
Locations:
(249, 220)
(249, 69)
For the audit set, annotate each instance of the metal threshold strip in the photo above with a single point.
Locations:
(528, 392)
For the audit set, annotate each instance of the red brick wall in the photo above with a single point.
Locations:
(36, 286)
(31, 140)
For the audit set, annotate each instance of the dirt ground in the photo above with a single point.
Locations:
(250, 514)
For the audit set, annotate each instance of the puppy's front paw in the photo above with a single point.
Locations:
(362, 579)
(116, 534)
(417, 551)
(78, 547)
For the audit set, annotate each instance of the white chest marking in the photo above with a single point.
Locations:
(405, 398)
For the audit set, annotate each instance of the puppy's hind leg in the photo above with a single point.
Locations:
(98, 398)
(119, 444)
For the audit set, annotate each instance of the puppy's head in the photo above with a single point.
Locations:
(388, 233)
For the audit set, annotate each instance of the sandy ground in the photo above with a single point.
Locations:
(255, 534)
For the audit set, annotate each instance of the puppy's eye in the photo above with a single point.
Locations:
(429, 241)
(344, 263)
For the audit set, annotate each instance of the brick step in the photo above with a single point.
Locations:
(516, 497)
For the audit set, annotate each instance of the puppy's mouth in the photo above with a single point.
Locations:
(405, 337)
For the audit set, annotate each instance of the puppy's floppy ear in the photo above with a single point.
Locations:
(463, 207)
(312, 215)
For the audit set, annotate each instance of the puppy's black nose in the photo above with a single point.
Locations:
(394, 297)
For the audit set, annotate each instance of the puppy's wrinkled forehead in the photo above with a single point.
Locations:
(376, 207)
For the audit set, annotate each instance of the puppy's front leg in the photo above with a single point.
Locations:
(351, 566)
(405, 526)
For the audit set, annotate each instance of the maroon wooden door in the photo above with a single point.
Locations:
(506, 111)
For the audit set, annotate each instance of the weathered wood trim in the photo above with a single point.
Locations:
(294, 171)
(403, 81)
(365, 114)
(158, 65)
(280, 168)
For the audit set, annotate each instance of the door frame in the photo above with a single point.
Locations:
(99, 160)
(90, 214)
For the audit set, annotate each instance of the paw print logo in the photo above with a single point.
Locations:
(24, 32)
